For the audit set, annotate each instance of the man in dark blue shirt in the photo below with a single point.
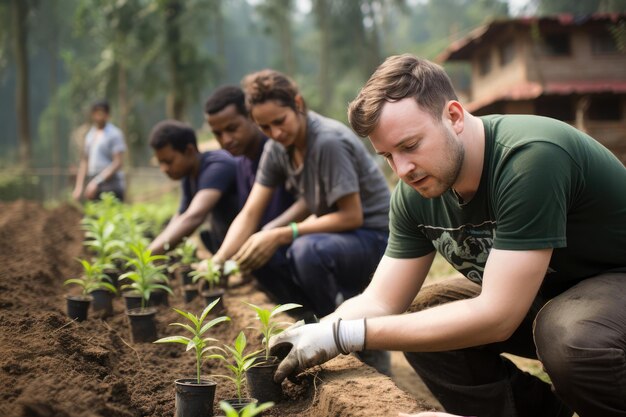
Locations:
(208, 185)
(226, 114)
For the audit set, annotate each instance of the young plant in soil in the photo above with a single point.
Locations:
(260, 378)
(238, 363)
(208, 281)
(92, 279)
(210, 276)
(100, 238)
(249, 410)
(197, 342)
(269, 327)
(146, 275)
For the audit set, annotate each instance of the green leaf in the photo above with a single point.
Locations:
(240, 342)
(213, 323)
(189, 317)
(285, 307)
(186, 326)
(173, 339)
(207, 309)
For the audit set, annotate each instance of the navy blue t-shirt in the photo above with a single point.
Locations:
(217, 171)
(246, 175)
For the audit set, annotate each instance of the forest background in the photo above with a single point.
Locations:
(156, 59)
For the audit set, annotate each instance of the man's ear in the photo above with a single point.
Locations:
(454, 113)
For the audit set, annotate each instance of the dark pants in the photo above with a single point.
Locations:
(322, 270)
(580, 337)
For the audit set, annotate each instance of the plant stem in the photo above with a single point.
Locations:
(198, 359)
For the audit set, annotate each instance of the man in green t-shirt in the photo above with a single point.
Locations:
(532, 212)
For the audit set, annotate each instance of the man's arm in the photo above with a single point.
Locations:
(297, 212)
(80, 178)
(187, 222)
(510, 284)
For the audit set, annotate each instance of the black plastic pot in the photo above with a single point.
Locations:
(210, 296)
(261, 383)
(159, 298)
(183, 273)
(102, 302)
(142, 325)
(193, 399)
(78, 306)
(190, 292)
(114, 275)
(238, 404)
(132, 300)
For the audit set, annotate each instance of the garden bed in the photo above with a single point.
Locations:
(52, 366)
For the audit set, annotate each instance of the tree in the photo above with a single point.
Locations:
(19, 14)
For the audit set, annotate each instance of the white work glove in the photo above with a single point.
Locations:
(314, 344)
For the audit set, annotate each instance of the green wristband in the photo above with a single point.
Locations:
(294, 230)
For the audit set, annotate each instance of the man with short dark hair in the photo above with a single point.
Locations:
(102, 157)
(226, 114)
(532, 212)
(208, 186)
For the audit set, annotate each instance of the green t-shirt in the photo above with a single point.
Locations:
(544, 185)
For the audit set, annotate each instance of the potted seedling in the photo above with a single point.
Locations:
(260, 378)
(238, 363)
(249, 410)
(208, 283)
(92, 279)
(185, 255)
(194, 396)
(101, 241)
(147, 278)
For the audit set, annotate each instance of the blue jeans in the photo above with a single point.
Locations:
(322, 270)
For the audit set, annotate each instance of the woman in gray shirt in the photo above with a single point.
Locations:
(344, 198)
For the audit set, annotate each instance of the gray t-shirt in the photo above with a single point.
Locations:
(100, 146)
(336, 164)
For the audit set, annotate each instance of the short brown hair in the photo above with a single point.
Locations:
(400, 76)
(270, 85)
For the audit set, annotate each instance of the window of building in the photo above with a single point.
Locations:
(557, 107)
(484, 64)
(506, 52)
(603, 43)
(604, 107)
(556, 44)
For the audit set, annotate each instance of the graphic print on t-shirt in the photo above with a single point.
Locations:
(465, 247)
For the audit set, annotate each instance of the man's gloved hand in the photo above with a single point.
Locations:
(314, 344)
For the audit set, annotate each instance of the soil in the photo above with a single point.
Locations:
(53, 366)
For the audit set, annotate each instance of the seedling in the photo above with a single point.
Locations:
(269, 327)
(100, 238)
(197, 342)
(186, 252)
(146, 276)
(249, 410)
(211, 275)
(240, 362)
(93, 278)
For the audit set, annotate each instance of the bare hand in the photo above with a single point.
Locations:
(77, 193)
(258, 249)
(91, 191)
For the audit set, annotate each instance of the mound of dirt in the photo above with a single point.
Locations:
(53, 366)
